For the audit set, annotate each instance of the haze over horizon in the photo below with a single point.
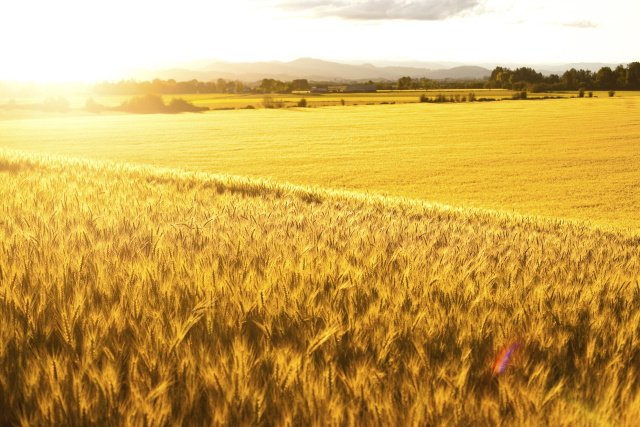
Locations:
(73, 40)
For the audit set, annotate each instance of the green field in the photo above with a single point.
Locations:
(572, 159)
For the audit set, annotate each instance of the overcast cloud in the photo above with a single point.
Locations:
(381, 10)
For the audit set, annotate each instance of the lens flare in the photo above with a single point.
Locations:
(503, 358)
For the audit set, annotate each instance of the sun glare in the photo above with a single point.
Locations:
(75, 70)
(319, 212)
(73, 40)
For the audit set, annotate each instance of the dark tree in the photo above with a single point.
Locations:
(633, 76)
(620, 74)
(301, 84)
(605, 79)
(404, 83)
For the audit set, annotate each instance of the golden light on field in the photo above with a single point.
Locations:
(571, 158)
(133, 295)
(226, 253)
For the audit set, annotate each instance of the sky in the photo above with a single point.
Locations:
(68, 40)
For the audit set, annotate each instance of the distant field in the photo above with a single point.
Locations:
(335, 99)
(217, 100)
(573, 158)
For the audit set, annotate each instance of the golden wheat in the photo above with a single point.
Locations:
(573, 158)
(140, 296)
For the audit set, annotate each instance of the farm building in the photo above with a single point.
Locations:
(320, 89)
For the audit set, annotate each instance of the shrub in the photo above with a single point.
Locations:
(424, 98)
(342, 101)
(519, 86)
(302, 103)
(472, 96)
(267, 102)
(153, 104)
(519, 95)
(147, 104)
(581, 93)
(92, 106)
(179, 105)
(457, 97)
(537, 88)
(612, 93)
(590, 94)
(464, 99)
(249, 107)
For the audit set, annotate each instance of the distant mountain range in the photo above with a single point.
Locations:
(325, 70)
(303, 68)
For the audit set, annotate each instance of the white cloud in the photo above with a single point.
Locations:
(380, 10)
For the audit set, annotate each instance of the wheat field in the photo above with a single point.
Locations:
(220, 100)
(575, 158)
(135, 295)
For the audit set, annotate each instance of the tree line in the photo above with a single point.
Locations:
(166, 87)
(407, 83)
(132, 87)
(171, 86)
(620, 78)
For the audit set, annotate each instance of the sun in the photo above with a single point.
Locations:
(33, 69)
